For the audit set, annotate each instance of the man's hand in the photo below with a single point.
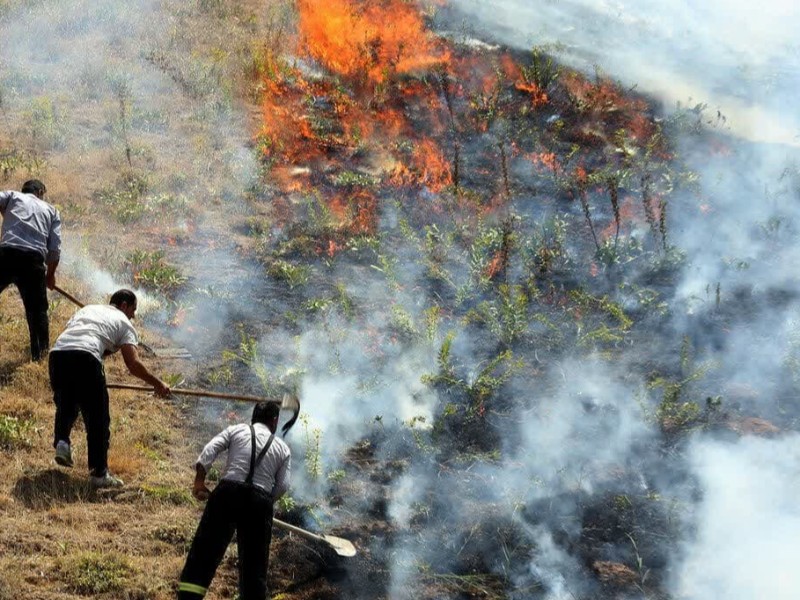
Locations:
(137, 369)
(200, 491)
(51, 281)
(162, 390)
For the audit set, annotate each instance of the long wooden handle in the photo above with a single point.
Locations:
(69, 296)
(189, 392)
(293, 404)
(299, 531)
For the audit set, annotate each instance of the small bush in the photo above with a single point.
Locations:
(95, 573)
(293, 275)
(177, 535)
(15, 432)
(168, 494)
(150, 270)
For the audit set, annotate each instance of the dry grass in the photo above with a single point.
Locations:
(60, 540)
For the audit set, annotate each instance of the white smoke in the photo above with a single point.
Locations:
(748, 521)
(737, 302)
(738, 58)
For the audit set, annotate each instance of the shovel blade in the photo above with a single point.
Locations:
(339, 545)
(181, 353)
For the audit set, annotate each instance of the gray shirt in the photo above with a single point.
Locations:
(272, 474)
(30, 224)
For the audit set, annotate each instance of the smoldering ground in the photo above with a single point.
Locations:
(737, 300)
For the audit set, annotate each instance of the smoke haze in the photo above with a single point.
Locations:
(739, 231)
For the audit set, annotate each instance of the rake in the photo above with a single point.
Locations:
(158, 352)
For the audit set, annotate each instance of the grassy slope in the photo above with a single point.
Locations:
(59, 540)
(50, 520)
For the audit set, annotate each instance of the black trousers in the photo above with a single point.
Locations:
(79, 385)
(231, 507)
(26, 270)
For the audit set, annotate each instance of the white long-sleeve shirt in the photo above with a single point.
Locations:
(30, 224)
(272, 474)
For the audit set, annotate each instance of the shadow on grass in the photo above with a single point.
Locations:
(7, 369)
(51, 487)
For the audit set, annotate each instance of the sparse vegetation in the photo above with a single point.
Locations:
(93, 573)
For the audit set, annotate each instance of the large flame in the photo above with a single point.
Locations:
(371, 38)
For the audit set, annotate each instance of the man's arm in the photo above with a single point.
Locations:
(282, 479)
(51, 275)
(217, 444)
(53, 250)
(137, 369)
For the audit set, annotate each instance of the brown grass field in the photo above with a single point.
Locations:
(59, 539)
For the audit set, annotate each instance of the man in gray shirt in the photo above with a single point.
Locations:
(30, 248)
(256, 475)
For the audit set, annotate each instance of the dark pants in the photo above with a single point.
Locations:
(79, 384)
(231, 506)
(26, 270)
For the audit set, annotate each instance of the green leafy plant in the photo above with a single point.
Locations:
(16, 432)
(675, 412)
(479, 386)
(313, 456)
(542, 71)
(92, 573)
(150, 269)
(507, 316)
(293, 275)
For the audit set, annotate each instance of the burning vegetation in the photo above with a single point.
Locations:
(463, 266)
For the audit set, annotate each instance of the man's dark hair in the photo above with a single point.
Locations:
(34, 186)
(120, 296)
(264, 412)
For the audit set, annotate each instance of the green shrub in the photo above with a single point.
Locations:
(168, 494)
(94, 573)
(15, 432)
(150, 270)
(294, 275)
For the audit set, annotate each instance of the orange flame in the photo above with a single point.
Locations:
(545, 159)
(372, 38)
(433, 168)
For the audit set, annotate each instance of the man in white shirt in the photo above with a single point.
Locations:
(256, 475)
(79, 381)
(30, 248)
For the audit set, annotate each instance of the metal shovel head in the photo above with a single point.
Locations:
(166, 352)
(181, 353)
(339, 545)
